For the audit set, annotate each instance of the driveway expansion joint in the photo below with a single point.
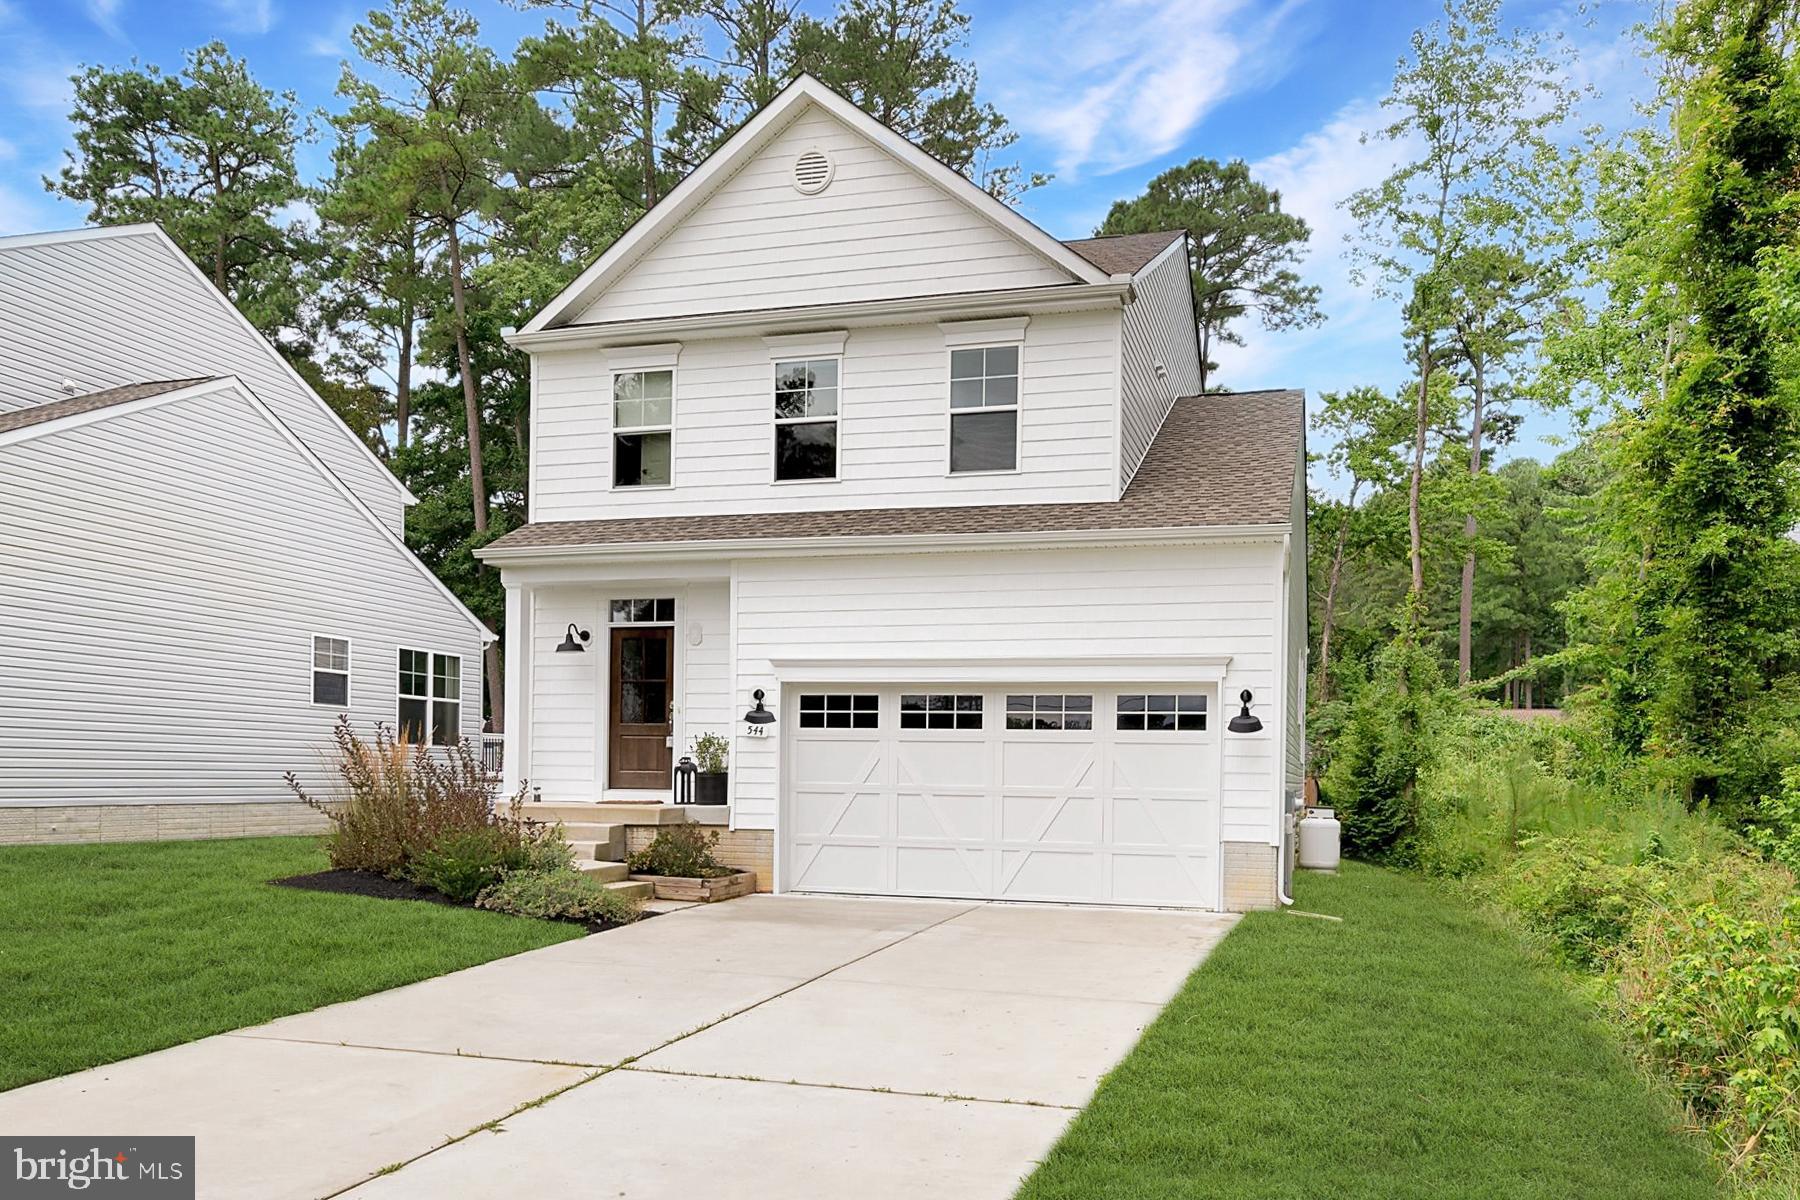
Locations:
(947, 1097)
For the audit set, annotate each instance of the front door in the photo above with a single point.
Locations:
(643, 677)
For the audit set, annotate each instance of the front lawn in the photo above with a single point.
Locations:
(115, 950)
(1413, 1050)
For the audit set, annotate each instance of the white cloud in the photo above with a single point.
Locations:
(8, 151)
(246, 16)
(23, 213)
(105, 14)
(1115, 83)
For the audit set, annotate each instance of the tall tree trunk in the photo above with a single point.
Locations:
(1415, 530)
(1205, 337)
(646, 111)
(495, 683)
(403, 376)
(1331, 589)
(1465, 613)
(1530, 697)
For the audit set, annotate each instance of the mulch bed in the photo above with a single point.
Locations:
(367, 883)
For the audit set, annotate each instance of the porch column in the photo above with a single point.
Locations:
(515, 757)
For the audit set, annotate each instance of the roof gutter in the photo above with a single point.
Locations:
(825, 544)
(954, 306)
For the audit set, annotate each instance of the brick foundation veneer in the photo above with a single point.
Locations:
(740, 849)
(1249, 876)
(47, 825)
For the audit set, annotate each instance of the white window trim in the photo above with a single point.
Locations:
(836, 418)
(827, 343)
(430, 697)
(612, 624)
(1017, 407)
(312, 658)
(613, 429)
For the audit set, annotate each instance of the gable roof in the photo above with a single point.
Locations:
(39, 414)
(1221, 460)
(741, 146)
(31, 423)
(1125, 253)
(24, 288)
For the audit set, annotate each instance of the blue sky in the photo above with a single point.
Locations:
(1105, 93)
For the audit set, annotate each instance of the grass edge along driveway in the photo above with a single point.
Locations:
(1413, 1050)
(114, 950)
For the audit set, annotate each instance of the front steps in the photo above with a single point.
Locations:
(597, 834)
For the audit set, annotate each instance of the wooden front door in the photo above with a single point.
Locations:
(643, 678)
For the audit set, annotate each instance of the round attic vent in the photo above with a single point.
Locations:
(812, 172)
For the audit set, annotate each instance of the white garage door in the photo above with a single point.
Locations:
(1078, 793)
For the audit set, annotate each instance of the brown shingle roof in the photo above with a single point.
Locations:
(37, 414)
(1125, 253)
(1219, 460)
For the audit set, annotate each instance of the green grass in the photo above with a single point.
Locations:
(1414, 1050)
(115, 950)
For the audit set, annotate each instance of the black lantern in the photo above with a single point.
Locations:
(759, 715)
(1245, 721)
(569, 644)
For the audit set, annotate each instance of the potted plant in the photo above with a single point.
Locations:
(710, 752)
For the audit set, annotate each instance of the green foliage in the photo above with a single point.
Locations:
(1776, 829)
(559, 895)
(1242, 249)
(711, 752)
(680, 850)
(1386, 739)
(463, 862)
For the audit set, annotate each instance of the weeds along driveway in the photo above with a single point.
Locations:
(778, 1046)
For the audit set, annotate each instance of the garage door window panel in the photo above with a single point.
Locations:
(1162, 712)
(839, 710)
(1050, 712)
(940, 710)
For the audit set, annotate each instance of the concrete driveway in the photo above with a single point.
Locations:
(771, 1046)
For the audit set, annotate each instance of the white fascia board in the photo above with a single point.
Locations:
(1029, 669)
(944, 306)
(23, 241)
(748, 141)
(802, 547)
(95, 415)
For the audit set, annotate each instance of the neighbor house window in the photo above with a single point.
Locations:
(643, 428)
(1161, 712)
(806, 419)
(643, 612)
(984, 409)
(934, 711)
(331, 671)
(430, 697)
(1050, 712)
(861, 710)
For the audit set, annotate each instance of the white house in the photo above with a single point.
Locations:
(201, 566)
(832, 431)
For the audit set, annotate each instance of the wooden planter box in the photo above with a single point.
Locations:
(703, 891)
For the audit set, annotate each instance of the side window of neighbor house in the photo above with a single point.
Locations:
(430, 702)
(331, 671)
(984, 409)
(643, 428)
(806, 419)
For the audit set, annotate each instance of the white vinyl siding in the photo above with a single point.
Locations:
(879, 231)
(102, 312)
(158, 580)
(1158, 327)
(893, 431)
(1174, 600)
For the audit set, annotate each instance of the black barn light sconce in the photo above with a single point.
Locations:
(758, 715)
(570, 645)
(1245, 721)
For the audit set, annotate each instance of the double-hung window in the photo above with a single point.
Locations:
(430, 697)
(806, 419)
(643, 428)
(331, 671)
(984, 408)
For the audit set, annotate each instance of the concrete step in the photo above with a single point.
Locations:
(596, 841)
(605, 872)
(642, 814)
(633, 887)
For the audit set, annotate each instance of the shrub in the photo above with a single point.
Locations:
(1776, 831)
(1386, 741)
(710, 753)
(684, 850)
(563, 894)
(462, 863)
(397, 800)
(1569, 892)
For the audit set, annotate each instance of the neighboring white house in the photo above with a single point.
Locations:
(833, 426)
(201, 566)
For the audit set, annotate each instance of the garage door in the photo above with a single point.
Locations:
(1082, 794)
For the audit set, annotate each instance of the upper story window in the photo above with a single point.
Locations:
(331, 670)
(984, 409)
(430, 697)
(643, 428)
(806, 419)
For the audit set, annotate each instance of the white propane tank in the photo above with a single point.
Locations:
(1319, 830)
